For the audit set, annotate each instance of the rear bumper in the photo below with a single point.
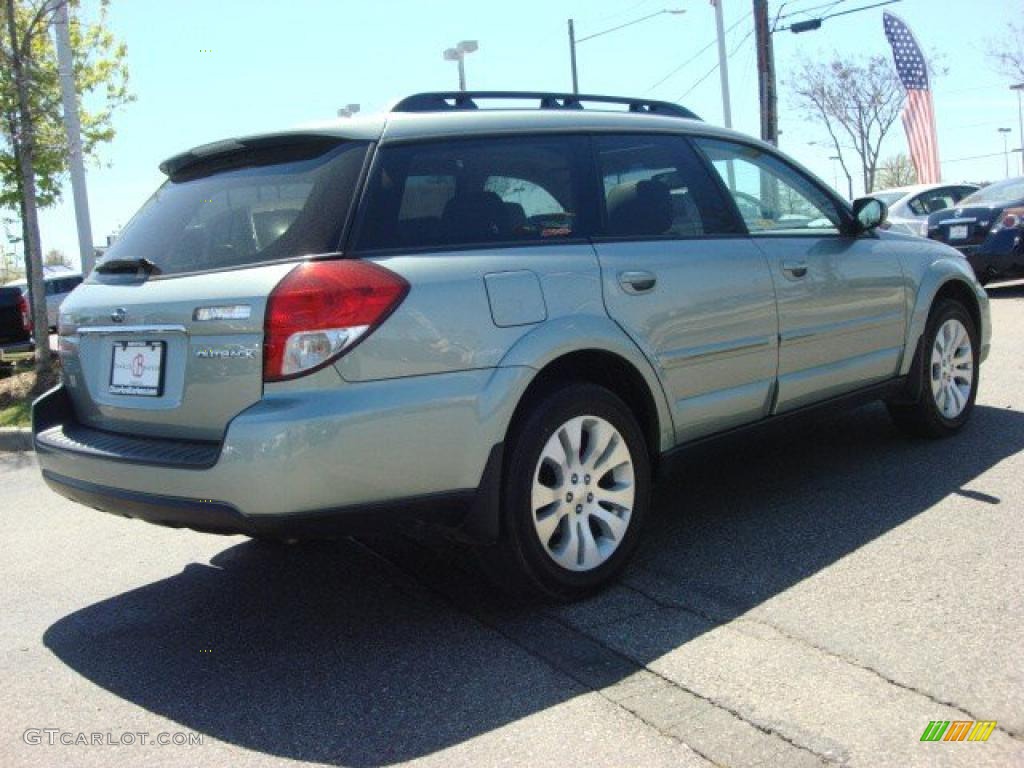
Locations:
(347, 459)
(210, 516)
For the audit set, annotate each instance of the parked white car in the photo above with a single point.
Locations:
(910, 206)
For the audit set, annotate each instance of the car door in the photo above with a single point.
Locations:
(682, 279)
(841, 300)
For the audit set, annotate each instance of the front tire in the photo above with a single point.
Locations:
(947, 374)
(576, 491)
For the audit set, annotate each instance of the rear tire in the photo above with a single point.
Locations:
(576, 490)
(947, 374)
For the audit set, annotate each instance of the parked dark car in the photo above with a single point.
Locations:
(15, 326)
(988, 229)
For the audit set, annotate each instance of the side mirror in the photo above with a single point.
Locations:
(870, 212)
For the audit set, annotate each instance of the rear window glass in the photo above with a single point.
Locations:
(1000, 192)
(245, 209)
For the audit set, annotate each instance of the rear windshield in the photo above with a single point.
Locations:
(1000, 192)
(245, 208)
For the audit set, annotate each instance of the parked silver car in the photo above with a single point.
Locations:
(503, 320)
(909, 207)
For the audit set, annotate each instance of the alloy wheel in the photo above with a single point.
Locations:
(583, 493)
(952, 368)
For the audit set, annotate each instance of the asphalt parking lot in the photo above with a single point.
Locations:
(814, 599)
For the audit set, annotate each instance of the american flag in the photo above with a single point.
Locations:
(919, 113)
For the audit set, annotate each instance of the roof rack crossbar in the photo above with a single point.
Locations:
(448, 101)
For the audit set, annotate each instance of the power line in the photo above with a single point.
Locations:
(698, 54)
(802, 11)
(712, 70)
(973, 157)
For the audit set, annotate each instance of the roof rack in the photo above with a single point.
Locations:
(448, 101)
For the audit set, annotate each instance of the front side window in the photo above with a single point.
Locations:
(771, 196)
(469, 192)
(245, 207)
(654, 186)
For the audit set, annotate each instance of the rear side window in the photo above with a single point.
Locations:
(655, 186)
(470, 192)
(245, 208)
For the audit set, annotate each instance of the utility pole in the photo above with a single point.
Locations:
(572, 56)
(1006, 150)
(73, 128)
(766, 73)
(1019, 88)
(723, 66)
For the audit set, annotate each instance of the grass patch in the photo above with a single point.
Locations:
(17, 415)
(19, 386)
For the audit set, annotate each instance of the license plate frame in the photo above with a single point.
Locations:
(137, 368)
(959, 232)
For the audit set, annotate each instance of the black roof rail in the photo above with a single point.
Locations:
(448, 101)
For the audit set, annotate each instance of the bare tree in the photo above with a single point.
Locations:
(896, 171)
(858, 101)
(1007, 53)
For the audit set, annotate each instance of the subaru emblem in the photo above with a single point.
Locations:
(118, 315)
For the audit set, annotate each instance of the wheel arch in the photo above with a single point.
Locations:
(590, 349)
(943, 279)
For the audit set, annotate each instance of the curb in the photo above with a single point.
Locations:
(15, 439)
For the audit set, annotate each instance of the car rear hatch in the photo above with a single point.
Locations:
(165, 338)
(963, 228)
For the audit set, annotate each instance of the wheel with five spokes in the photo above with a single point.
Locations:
(948, 374)
(577, 487)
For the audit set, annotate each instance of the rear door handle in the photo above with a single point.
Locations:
(795, 268)
(637, 282)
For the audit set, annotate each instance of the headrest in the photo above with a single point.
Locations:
(639, 208)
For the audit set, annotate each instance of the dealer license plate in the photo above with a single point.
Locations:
(137, 368)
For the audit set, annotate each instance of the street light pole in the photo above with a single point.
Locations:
(73, 129)
(723, 66)
(572, 56)
(1019, 88)
(573, 41)
(458, 55)
(1006, 150)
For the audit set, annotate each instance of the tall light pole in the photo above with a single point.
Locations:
(573, 41)
(835, 171)
(1019, 88)
(1006, 149)
(73, 129)
(723, 65)
(458, 54)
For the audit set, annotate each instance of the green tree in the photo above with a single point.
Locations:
(33, 145)
(56, 258)
(896, 171)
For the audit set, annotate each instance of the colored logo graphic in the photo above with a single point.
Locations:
(958, 730)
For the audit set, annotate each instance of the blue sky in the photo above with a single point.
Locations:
(272, 65)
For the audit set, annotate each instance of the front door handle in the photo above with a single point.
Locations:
(637, 282)
(795, 268)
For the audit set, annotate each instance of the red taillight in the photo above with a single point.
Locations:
(320, 309)
(26, 313)
(1013, 218)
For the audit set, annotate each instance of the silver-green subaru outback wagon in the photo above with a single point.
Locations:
(499, 311)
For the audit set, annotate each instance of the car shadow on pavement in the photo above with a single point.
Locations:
(328, 652)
